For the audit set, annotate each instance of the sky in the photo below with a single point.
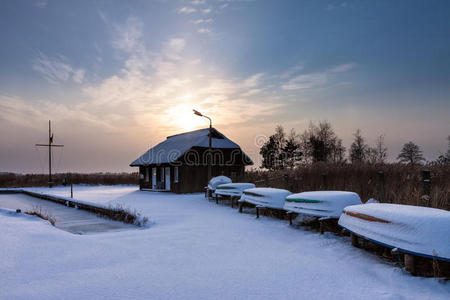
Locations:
(117, 77)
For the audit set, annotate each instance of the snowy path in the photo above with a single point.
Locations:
(195, 249)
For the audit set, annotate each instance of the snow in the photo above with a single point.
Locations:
(416, 229)
(175, 146)
(321, 203)
(267, 197)
(233, 189)
(216, 181)
(194, 250)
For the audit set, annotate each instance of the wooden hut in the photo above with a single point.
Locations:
(179, 164)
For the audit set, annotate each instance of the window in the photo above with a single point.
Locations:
(175, 174)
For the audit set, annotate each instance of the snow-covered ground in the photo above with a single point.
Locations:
(194, 250)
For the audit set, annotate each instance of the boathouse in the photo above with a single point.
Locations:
(179, 164)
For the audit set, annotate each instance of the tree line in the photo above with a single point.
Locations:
(319, 143)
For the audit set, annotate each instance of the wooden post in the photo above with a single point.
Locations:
(409, 263)
(324, 181)
(355, 242)
(286, 181)
(321, 227)
(381, 186)
(290, 218)
(232, 201)
(426, 181)
(240, 207)
(71, 190)
(266, 179)
(217, 199)
(257, 212)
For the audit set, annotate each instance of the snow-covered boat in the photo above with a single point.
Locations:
(233, 189)
(420, 231)
(328, 204)
(265, 197)
(214, 183)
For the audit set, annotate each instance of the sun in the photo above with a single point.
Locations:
(181, 116)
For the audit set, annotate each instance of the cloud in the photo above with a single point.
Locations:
(342, 68)
(187, 10)
(41, 3)
(313, 80)
(176, 44)
(206, 10)
(253, 80)
(295, 69)
(197, 2)
(202, 21)
(127, 37)
(56, 69)
(204, 30)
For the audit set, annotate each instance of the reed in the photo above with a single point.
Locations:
(403, 183)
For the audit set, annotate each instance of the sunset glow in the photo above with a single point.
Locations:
(123, 77)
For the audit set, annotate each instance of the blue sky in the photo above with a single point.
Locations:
(118, 76)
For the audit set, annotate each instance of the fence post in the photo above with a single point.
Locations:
(266, 180)
(71, 185)
(381, 186)
(324, 181)
(286, 181)
(426, 181)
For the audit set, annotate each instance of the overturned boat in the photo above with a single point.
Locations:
(214, 183)
(323, 204)
(233, 189)
(265, 197)
(412, 230)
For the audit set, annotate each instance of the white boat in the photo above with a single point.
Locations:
(265, 197)
(233, 189)
(326, 204)
(214, 183)
(415, 230)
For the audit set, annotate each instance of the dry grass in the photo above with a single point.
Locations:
(16, 180)
(403, 183)
(123, 214)
(37, 211)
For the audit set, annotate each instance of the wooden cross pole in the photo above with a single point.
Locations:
(49, 145)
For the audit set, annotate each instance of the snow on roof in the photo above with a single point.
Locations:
(175, 146)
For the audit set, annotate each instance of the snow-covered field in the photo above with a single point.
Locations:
(194, 249)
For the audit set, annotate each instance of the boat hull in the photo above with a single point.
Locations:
(327, 204)
(233, 189)
(415, 230)
(265, 197)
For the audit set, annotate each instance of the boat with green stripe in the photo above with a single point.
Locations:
(328, 204)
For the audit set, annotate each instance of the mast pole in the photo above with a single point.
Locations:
(49, 155)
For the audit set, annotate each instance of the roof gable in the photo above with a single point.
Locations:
(175, 146)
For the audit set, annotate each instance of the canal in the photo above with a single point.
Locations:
(66, 218)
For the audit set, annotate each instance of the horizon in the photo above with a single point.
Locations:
(118, 78)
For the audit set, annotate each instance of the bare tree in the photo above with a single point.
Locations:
(410, 154)
(378, 153)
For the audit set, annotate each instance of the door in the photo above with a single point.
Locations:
(167, 179)
(154, 178)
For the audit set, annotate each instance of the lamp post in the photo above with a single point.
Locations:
(196, 112)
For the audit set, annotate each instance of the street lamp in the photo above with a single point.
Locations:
(196, 112)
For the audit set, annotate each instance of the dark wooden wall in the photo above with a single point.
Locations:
(191, 179)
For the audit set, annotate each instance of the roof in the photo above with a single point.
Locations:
(175, 146)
